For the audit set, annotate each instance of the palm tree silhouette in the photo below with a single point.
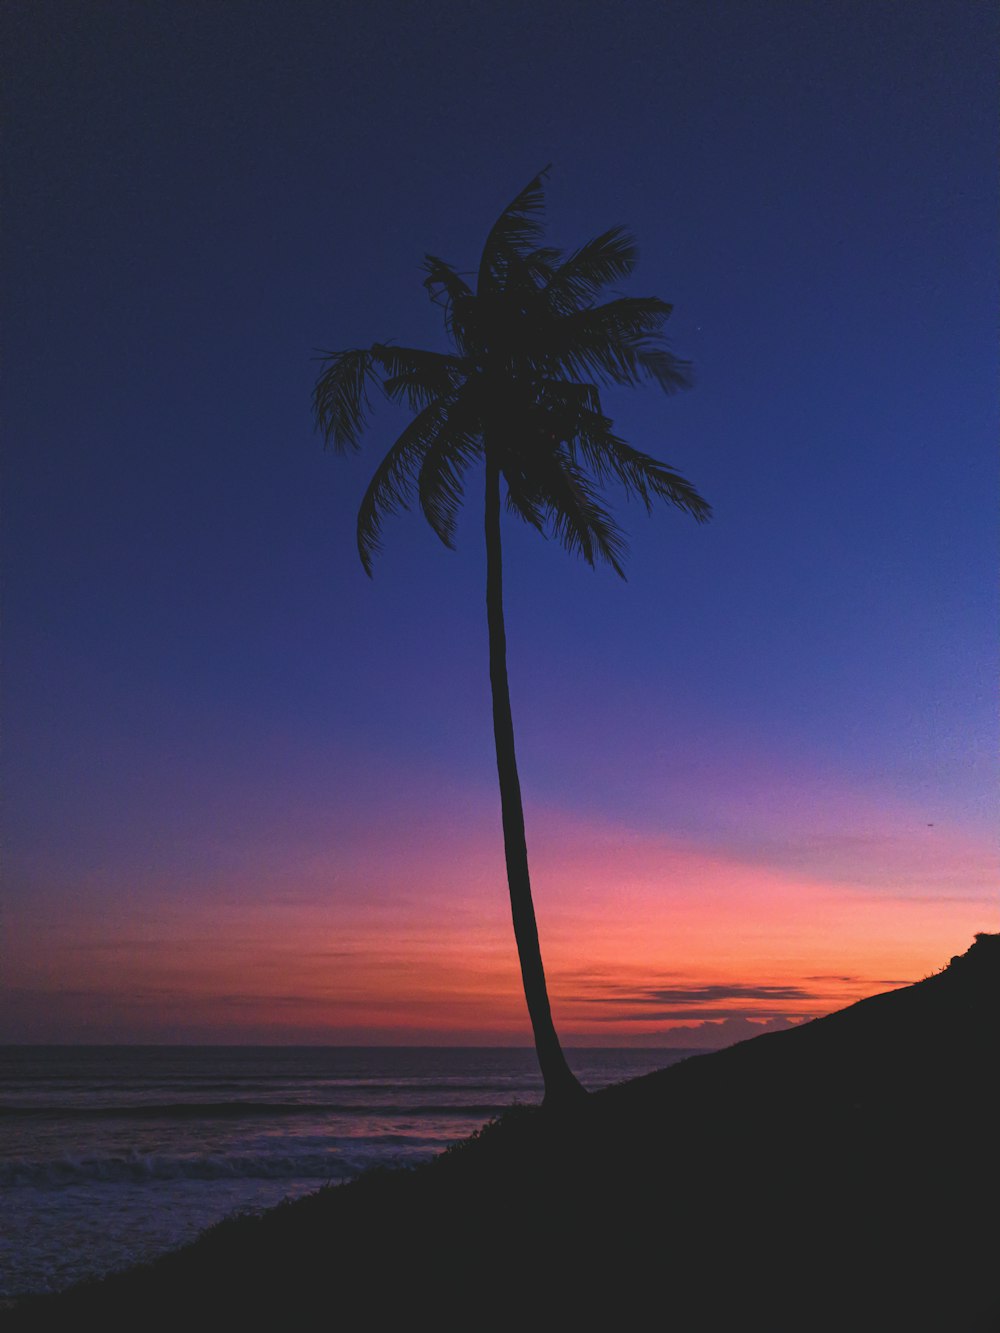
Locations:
(520, 391)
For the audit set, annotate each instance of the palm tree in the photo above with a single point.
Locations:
(520, 390)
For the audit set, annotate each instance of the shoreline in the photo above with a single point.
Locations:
(825, 1177)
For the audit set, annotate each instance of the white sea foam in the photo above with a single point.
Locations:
(110, 1156)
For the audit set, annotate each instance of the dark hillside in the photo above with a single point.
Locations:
(842, 1175)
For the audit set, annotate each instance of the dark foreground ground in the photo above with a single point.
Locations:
(843, 1175)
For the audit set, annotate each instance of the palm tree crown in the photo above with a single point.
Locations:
(531, 350)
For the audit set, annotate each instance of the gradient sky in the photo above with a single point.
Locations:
(250, 794)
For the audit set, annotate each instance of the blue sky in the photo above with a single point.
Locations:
(199, 198)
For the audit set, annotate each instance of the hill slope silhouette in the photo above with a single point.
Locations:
(841, 1175)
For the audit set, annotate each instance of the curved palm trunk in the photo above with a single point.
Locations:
(561, 1084)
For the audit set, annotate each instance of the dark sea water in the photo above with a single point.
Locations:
(114, 1154)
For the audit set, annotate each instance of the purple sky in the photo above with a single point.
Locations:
(213, 718)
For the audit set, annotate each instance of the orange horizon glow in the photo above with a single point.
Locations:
(646, 941)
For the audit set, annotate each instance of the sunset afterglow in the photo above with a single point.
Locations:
(252, 794)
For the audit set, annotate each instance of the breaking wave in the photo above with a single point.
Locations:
(338, 1163)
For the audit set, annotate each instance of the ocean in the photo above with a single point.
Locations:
(110, 1155)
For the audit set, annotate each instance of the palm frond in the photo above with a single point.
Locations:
(449, 289)
(610, 458)
(340, 398)
(543, 263)
(516, 231)
(440, 479)
(626, 317)
(610, 343)
(443, 280)
(607, 258)
(392, 485)
(562, 403)
(670, 372)
(557, 493)
(522, 498)
(416, 377)
(580, 522)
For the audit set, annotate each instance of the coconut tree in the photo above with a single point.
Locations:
(519, 395)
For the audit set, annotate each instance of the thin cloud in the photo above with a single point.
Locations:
(695, 995)
(863, 981)
(655, 1015)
